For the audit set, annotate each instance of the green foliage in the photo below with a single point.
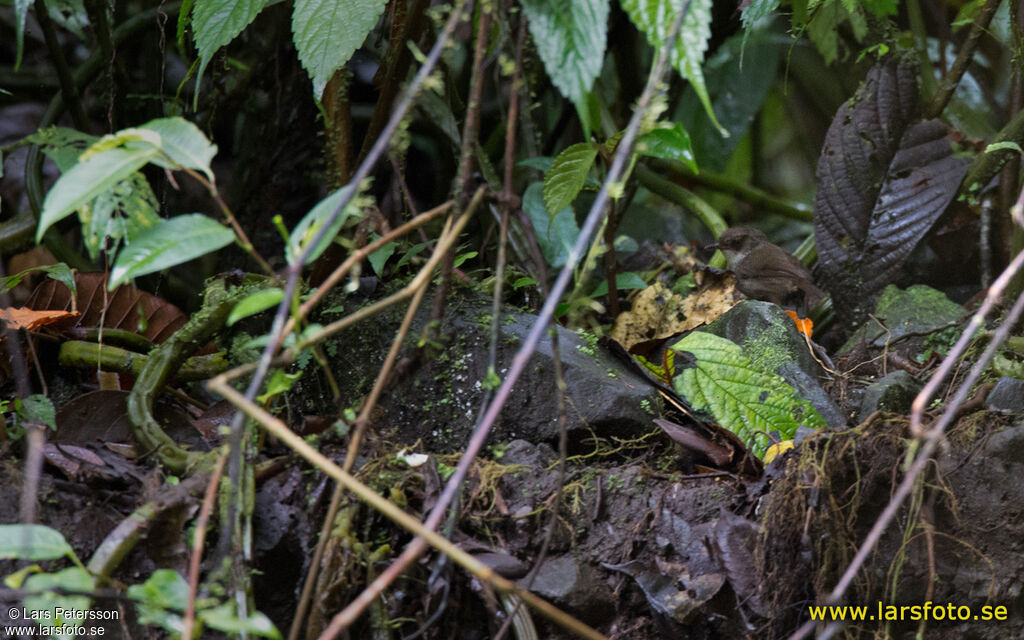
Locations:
(748, 401)
(567, 175)
(160, 598)
(32, 542)
(654, 19)
(570, 37)
(327, 32)
(668, 142)
(309, 226)
(170, 243)
(255, 303)
(555, 234)
(60, 272)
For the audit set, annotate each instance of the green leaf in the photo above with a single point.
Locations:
(654, 19)
(62, 145)
(672, 143)
(159, 597)
(224, 618)
(54, 608)
(327, 32)
(568, 173)
(380, 257)
(37, 409)
(32, 542)
(60, 272)
(279, 383)
(20, 13)
(120, 213)
(215, 23)
(555, 234)
(184, 144)
(623, 282)
(88, 179)
(1005, 144)
(169, 243)
(570, 38)
(758, 10)
(744, 399)
(308, 227)
(255, 303)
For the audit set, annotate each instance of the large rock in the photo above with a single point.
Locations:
(440, 399)
(768, 336)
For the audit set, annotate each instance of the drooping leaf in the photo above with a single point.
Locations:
(184, 144)
(20, 13)
(327, 32)
(170, 243)
(882, 184)
(671, 143)
(568, 173)
(654, 18)
(744, 399)
(216, 23)
(739, 76)
(88, 179)
(570, 37)
(555, 234)
(379, 258)
(32, 542)
(309, 226)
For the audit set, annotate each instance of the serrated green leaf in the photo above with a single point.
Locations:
(184, 144)
(746, 400)
(757, 10)
(89, 178)
(327, 32)
(215, 23)
(32, 542)
(170, 243)
(255, 303)
(568, 173)
(654, 18)
(570, 38)
(308, 227)
(671, 143)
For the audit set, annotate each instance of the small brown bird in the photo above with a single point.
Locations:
(766, 272)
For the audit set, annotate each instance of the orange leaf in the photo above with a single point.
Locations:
(803, 325)
(31, 320)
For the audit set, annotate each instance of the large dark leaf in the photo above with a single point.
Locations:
(882, 182)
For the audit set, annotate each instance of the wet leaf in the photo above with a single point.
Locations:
(742, 398)
(883, 182)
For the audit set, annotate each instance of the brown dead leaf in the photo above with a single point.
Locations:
(659, 313)
(32, 320)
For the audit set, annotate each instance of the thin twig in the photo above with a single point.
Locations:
(930, 439)
(198, 542)
(963, 60)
